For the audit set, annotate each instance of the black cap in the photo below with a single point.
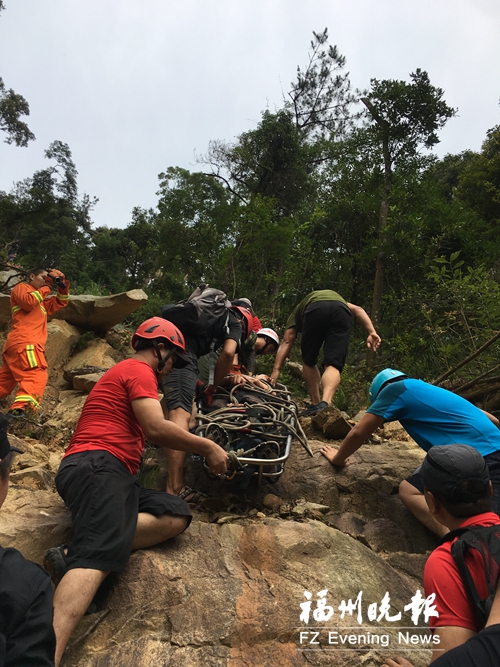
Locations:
(457, 473)
(5, 447)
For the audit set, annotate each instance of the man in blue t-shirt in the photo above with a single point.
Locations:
(432, 416)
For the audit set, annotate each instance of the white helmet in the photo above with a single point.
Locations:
(269, 333)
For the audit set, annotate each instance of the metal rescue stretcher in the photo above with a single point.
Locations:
(255, 426)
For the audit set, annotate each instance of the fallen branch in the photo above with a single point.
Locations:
(467, 359)
(471, 383)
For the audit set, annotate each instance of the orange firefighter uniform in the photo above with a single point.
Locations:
(23, 355)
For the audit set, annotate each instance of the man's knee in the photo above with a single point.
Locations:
(171, 525)
(180, 417)
(179, 524)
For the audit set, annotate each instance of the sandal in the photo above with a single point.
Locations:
(196, 495)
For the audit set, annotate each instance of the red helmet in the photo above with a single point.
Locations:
(245, 314)
(156, 328)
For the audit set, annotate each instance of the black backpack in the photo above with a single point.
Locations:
(195, 315)
(198, 312)
(486, 541)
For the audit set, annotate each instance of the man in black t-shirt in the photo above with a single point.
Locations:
(179, 388)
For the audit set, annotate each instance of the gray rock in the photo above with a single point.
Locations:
(100, 313)
(331, 423)
(97, 353)
(86, 383)
(60, 340)
(385, 535)
(33, 521)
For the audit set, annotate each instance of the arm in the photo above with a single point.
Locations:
(450, 637)
(373, 340)
(27, 297)
(171, 436)
(283, 351)
(225, 361)
(355, 438)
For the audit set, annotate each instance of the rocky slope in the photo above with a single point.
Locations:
(229, 591)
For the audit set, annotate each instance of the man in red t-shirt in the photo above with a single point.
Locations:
(112, 515)
(458, 492)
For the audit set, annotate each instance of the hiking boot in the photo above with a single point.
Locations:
(54, 561)
(17, 413)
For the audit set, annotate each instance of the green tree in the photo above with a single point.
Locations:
(44, 220)
(320, 97)
(406, 118)
(12, 107)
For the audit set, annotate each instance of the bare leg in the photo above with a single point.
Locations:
(78, 586)
(330, 380)
(312, 379)
(175, 459)
(413, 500)
(71, 600)
(152, 530)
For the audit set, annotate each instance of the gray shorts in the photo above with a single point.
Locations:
(179, 387)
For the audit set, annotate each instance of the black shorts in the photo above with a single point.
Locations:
(493, 463)
(328, 323)
(105, 499)
(179, 386)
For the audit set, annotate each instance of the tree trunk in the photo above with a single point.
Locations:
(378, 287)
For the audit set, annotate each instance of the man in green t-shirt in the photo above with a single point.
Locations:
(324, 318)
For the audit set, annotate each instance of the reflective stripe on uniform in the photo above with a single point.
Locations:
(31, 355)
(15, 309)
(25, 398)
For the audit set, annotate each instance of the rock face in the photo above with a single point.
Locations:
(100, 313)
(98, 355)
(230, 596)
(33, 520)
(61, 338)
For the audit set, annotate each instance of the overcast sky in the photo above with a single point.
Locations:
(134, 87)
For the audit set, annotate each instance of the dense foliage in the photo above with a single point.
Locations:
(329, 191)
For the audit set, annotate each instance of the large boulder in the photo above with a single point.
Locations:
(61, 338)
(231, 596)
(100, 313)
(98, 353)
